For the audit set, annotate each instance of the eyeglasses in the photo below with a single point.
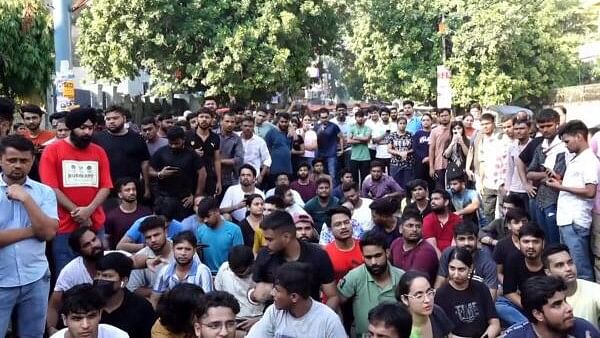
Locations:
(420, 296)
(229, 325)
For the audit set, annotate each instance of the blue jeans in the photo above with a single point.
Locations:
(30, 303)
(61, 251)
(331, 163)
(546, 218)
(577, 238)
(508, 312)
(402, 176)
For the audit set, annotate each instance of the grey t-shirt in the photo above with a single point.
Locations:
(159, 143)
(320, 321)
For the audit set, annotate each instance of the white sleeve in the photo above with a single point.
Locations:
(265, 156)
(67, 278)
(590, 173)
(206, 281)
(264, 327)
(335, 329)
(136, 280)
(227, 199)
(219, 278)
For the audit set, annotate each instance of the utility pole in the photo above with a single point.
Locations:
(62, 32)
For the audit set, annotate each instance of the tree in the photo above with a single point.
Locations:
(237, 48)
(26, 48)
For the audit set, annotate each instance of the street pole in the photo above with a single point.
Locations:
(62, 32)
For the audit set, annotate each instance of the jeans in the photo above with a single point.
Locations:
(61, 251)
(546, 218)
(577, 238)
(30, 303)
(402, 176)
(508, 312)
(331, 165)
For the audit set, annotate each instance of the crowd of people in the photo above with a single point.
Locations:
(363, 221)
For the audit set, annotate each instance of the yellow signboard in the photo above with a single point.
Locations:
(69, 89)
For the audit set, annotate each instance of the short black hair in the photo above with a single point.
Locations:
(347, 186)
(282, 115)
(81, 299)
(536, 292)
(191, 116)
(176, 306)
(385, 205)
(552, 249)
(217, 299)
(207, 205)
(318, 160)
(148, 120)
(248, 119)
(32, 108)
(123, 181)
(117, 109)
(164, 116)
(279, 220)
(444, 193)
(516, 214)
(339, 210)
(394, 315)
(465, 228)
(17, 142)
(283, 173)
(75, 238)
(322, 180)
(410, 214)
(405, 102)
(373, 238)
(115, 261)
(295, 277)
(153, 222)
(413, 184)
(548, 115)
(175, 133)
(574, 127)
(376, 163)
(515, 200)
(304, 165)
(205, 111)
(166, 207)
(488, 117)
(341, 105)
(240, 257)
(185, 236)
(249, 167)
(531, 229)
(7, 108)
(276, 201)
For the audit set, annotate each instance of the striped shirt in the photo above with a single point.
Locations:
(199, 274)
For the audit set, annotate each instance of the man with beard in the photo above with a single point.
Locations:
(32, 116)
(378, 185)
(305, 228)
(233, 205)
(179, 171)
(123, 309)
(484, 266)
(438, 139)
(231, 150)
(379, 133)
(256, 152)
(411, 252)
(165, 122)
(79, 173)
(29, 218)
(317, 206)
(306, 187)
(418, 191)
(207, 144)
(517, 271)
(119, 219)
(150, 135)
(279, 141)
(123, 145)
(184, 269)
(370, 283)
(465, 201)
(329, 139)
(80, 270)
(549, 313)
(344, 122)
(438, 226)
(294, 313)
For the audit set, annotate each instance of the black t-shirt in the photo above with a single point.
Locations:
(505, 251)
(247, 233)
(526, 154)
(125, 153)
(208, 146)
(516, 273)
(441, 325)
(135, 316)
(469, 310)
(389, 236)
(183, 183)
(266, 265)
(413, 206)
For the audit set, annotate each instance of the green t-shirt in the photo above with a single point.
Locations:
(360, 152)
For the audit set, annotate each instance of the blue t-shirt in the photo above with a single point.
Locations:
(414, 125)
(421, 144)
(280, 146)
(579, 330)
(190, 223)
(138, 237)
(218, 242)
(327, 139)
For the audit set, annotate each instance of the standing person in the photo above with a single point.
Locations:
(358, 138)
(79, 173)
(370, 283)
(317, 206)
(344, 122)
(297, 144)
(207, 145)
(231, 151)
(256, 152)
(413, 123)
(475, 110)
(378, 184)
(438, 226)
(513, 183)
(420, 144)
(411, 251)
(437, 144)
(119, 219)
(468, 124)
(262, 126)
(294, 313)
(149, 129)
(123, 145)
(279, 141)
(251, 224)
(179, 171)
(382, 130)
(373, 122)
(401, 148)
(306, 187)
(165, 121)
(32, 117)
(487, 156)
(233, 206)
(30, 219)
(576, 198)
(456, 151)
(310, 138)
(217, 234)
(329, 139)
(466, 301)
(549, 314)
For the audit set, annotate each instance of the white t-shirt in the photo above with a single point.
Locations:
(235, 195)
(320, 321)
(75, 273)
(363, 214)
(581, 170)
(380, 130)
(295, 196)
(104, 331)
(227, 281)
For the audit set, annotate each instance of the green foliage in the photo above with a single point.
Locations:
(26, 47)
(240, 48)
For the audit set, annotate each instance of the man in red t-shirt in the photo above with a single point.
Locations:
(32, 116)
(344, 251)
(79, 173)
(438, 226)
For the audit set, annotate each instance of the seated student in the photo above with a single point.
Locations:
(80, 312)
(582, 295)
(287, 196)
(283, 179)
(345, 177)
(465, 299)
(215, 316)
(497, 229)
(484, 269)
(303, 185)
(549, 313)
(123, 309)
(428, 320)
(175, 309)
(235, 277)
(390, 321)
(508, 247)
(418, 192)
(438, 226)
(466, 202)
(294, 313)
